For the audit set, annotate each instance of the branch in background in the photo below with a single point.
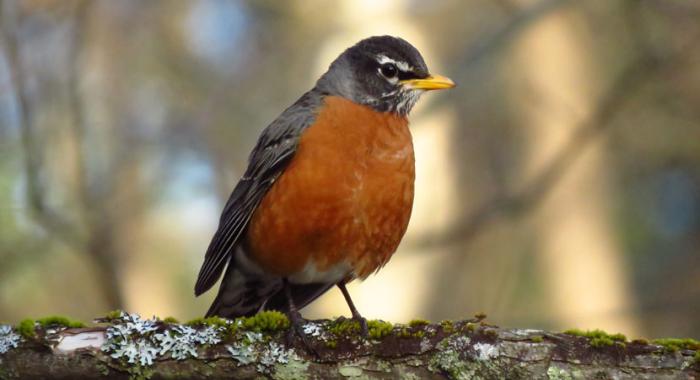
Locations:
(503, 36)
(518, 202)
(253, 348)
(76, 106)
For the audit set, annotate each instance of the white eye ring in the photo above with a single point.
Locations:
(389, 70)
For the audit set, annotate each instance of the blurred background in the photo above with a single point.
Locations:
(558, 185)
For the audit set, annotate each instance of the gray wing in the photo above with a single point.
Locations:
(271, 155)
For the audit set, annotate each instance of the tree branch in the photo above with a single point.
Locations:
(133, 347)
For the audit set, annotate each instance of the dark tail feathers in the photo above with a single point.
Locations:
(241, 294)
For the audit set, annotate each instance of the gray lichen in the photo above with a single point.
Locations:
(486, 351)
(141, 341)
(181, 341)
(448, 359)
(254, 349)
(9, 339)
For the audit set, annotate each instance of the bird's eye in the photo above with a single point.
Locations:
(389, 70)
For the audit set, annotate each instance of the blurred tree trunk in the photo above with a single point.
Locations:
(581, 260)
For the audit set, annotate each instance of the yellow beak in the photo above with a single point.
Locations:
(432, 82)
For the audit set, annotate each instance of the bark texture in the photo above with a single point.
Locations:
(130, 347)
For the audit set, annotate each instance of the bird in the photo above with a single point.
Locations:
(328, 191)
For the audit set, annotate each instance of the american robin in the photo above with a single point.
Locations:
(328, 191)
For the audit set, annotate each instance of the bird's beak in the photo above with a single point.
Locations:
(432, 82)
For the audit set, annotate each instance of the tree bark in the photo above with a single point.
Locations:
(449, 350)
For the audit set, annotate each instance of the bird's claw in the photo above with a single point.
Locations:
(364, 329)
(297, 329)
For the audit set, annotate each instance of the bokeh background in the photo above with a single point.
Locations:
(558, 185)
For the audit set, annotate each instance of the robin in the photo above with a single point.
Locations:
(328, 191)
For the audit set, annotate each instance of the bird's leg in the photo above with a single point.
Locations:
(295, 319)
(355, 314)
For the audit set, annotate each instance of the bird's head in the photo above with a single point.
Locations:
(386, 73)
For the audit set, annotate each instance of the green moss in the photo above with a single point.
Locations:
(171, 320)
(378, 329)
(217, 322)
(675, 344)
(114, 314)
(470, 327)
(343, 327)
(447, 326)
(410, 332)
(599, 338)
(57, 320)
(332, 344)
(418, 323)
(266, 321)
(403, 332)
(26, 328)
(537, 339)
(210, 321)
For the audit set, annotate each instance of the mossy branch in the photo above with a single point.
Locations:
(126, 346)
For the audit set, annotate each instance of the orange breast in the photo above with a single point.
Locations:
(346, 197)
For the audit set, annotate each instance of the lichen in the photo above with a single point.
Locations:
(556, 373)
(274, 354)
(134, 340)
(266, 355)
(537, 339)
(131, 339)
(26, 328)
(676, 344)
(486, 351)
(313, 329)
(8, 339)
(448, 360)
(599, 338)
(350, 371)
(181, 341)
(57, 320)
(244, 351)
(294, 370)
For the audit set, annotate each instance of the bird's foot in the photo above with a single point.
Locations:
(361, 322)
(297, 329)
(364, 329)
